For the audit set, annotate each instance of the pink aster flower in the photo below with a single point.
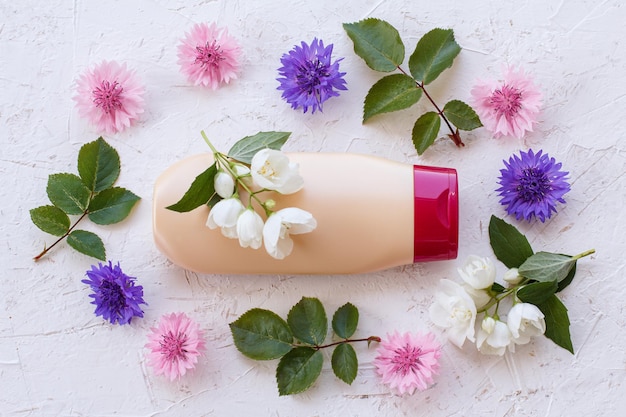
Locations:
(408, 361)
(175, 345)
(208, 56)
(110, 96)
(508, 108)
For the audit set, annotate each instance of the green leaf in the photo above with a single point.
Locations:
(546, 266)
(509, 245)
(98, 165)
(244, 149)
(568, 279)
(461, 115)
(111, 205)
(67, 192)
(87, 243)
(51, 220)
(307, 321)
(377, 42)
(434, 52)
(200, 192)
(345, 320)
(345, 363)
(497, 288)
(391, 93)
(557, 322)
(298, 370)
(425, 131)
(537, 292)
(261, 334)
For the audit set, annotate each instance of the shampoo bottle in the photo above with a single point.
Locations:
(371, 214)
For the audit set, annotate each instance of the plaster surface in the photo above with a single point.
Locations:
(58, 359)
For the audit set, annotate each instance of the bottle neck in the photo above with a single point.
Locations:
(436, 213)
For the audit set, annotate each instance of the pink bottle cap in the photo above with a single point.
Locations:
(436, 213)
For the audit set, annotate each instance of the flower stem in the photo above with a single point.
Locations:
(585, 253)
(46, 250)
(222, 160)
(368, 340)
(454, 134)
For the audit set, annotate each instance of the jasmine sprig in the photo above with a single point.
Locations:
(225, 162)
(380, 46)
(90, 194)
(263, 335)
(202, 189)
(541, 276)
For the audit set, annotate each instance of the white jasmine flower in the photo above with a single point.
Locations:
(224, 215)
(455, 311)
(525, 321)
(243, 174)
(224, 184)
(285, 222)
(493, 337)
(478, 272)
(271, 169)
(512, 276)
(250, 229)
(480, 297)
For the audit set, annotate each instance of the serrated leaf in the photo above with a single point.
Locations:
(67, 192)
(557, 322)
(98, 165)
(377, 42)
(298, 370)
(244, 149)
(307, 321)
(537, 292)
(391, 93)
(200, 192)
(425, 131)
(509, 245)
(567, 280)
(434, 52)
(345, 320)
(345, 363)
(546, 266)
(461, 115)
(50, 219)
(87, 243)
(261, 334)
(111, 205)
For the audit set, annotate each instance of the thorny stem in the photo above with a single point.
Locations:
(454, 134)
(368, 340)
(45, 251)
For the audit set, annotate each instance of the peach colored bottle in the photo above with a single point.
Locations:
(371, 214)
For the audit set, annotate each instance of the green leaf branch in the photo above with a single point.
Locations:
(379, 44)
(297, 342)
(541, 276)
(91, 194)
(202, 189)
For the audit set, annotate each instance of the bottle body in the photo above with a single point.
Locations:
(364, 207)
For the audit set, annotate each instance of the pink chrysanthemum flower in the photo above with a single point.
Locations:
(175, 345)
(110, 96)
(509, 108)
(208, 56)
(407, 362)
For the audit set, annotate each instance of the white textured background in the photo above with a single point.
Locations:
(57, 358)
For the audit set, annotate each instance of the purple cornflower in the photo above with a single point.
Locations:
(531, 185)
(115, 294)
(308, 78)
